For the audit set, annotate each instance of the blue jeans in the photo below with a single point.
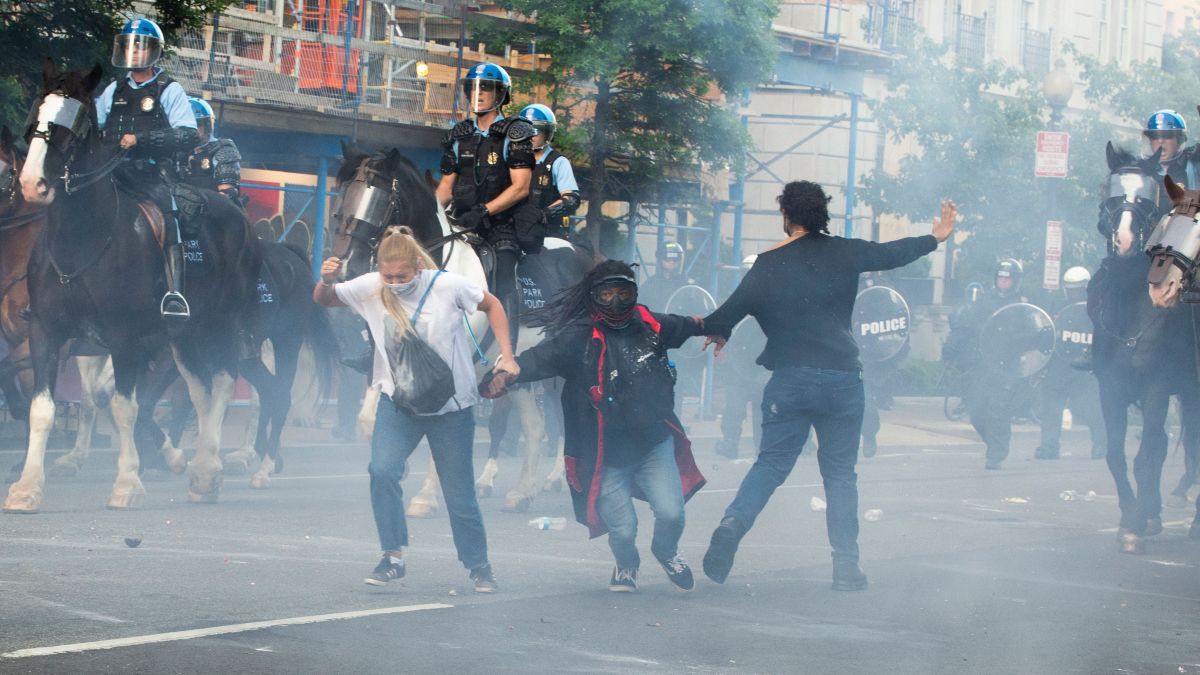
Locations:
(451, 440)
(657, 475)
(794, 401)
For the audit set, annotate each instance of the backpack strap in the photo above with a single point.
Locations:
(424, 297)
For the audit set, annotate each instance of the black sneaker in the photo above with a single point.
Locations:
(485, 580)
(679, 573)
(847, 576)
(385, 571)
(623, 581)
(718, 560)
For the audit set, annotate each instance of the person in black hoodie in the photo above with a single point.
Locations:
(623, 439)
(802, 294)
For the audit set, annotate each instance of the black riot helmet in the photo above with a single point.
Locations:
(614, 298)
(1008, 277)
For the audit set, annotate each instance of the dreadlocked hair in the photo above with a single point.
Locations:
(398, 244)
(574, 303)
(804, 203)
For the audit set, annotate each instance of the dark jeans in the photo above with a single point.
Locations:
(657, 475)
(795, 401)
(451, 440)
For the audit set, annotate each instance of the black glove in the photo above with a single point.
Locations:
(474, 218)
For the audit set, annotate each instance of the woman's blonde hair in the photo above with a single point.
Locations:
(399, 244)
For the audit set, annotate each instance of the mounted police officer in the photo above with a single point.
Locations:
(1167, 131)
(487, 171)
(214, 164)
(667, 278)
(989, 394)
(1062, 385)
(554, 189)
(147, 114)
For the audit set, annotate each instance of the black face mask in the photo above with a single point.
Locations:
(618, 310)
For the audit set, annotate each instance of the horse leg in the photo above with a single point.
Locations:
(1189, 407)
(263, 382)
(425, 503)
(1148, 463)
(25, 495)
(16, 380)
(553, 410)
(533, 424)
(286, 357)
(157, 452)
(127, 492)
(204, 480)
(1114, 406)
(497, 430)
(92, 383)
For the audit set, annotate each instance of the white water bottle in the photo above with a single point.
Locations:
(548, 523)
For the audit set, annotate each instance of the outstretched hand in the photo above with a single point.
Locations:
(943, 225)
(714, 340)
(495, 384)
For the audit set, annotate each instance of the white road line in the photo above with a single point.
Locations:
(215, 630)
(781, 487)
(1172, 523)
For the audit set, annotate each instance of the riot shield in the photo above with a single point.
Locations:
(1017, 340)
(1074, 331)
(880, 324)
(690, 301)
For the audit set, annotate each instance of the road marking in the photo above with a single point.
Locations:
(1173, 523)
(781, 487)
(215, 630)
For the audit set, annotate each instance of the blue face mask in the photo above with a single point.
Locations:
(406, 288)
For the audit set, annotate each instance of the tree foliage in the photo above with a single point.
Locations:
(75, 34)
(638, 84)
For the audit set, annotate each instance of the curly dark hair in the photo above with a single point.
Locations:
(574, 303)
(804, 203)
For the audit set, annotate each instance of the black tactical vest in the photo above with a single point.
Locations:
(137, 111)
(544, 191)
(214, 163)
(482, 174)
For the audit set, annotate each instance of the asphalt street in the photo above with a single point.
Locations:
(970, 572)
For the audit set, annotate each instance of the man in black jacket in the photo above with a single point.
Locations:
(802, 294)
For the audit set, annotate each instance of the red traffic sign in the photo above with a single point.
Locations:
(1053, 149)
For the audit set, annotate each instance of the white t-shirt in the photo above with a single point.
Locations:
(441, 325)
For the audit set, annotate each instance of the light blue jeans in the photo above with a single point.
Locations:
(657, 475)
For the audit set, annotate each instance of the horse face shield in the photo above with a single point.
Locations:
(370, 204)
(1174, 242)
(1132, 202)
(60, 122)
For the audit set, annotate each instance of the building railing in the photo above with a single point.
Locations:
(1035, 53)
(891, 22)
(970, 39)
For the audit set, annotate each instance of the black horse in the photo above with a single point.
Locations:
(1142, 355)
(97, 271)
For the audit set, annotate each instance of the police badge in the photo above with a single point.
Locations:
(492, 158)
(147, 104)
(205, 164)
(543, 180)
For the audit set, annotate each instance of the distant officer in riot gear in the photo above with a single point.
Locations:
(147, 114)
(215, 163)
(743, 379)
(879, 366)
(1064, 386)
(989, 394)
(487, 172)
(554, 189)
(668, 277)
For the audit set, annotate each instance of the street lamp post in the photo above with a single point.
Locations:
(1058, 86)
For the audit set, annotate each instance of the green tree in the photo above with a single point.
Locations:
(976, 130)
(75, 34)
(635, 80)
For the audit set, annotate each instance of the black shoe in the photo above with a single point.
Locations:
(679, 573)
(718, 560)
(485, 580)
(385, 571)
(623, 581)
(1042, 453)
(992, 465)
(847, 576)
(727, 450)
(1153, 526)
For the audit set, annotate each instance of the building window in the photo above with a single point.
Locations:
(1035, 53)
(970, 39)
(891, 22)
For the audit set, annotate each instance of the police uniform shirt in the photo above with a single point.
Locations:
(560, 172)
(174, 102)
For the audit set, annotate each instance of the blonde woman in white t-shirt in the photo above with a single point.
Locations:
(390, 296)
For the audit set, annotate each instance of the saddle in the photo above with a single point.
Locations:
(152, 216)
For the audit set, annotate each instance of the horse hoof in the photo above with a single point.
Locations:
(126, 502)
(1153, 527)
(420, 509)
(258, 482)
(516, 504)
(1131, 543)
(1177, 501)
(63, 469)
(483, 491)
(23, 502)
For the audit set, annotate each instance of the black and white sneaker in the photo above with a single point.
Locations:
(623, 581)
(485, 580)
(679, 573)
(385, 571)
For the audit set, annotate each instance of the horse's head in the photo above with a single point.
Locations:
(378, 190)
(61, 118)
(10, 166)
(1174, 247)
(1131, 200)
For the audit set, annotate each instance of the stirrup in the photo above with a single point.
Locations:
(173, 297)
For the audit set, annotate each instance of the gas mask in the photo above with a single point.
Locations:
(614, 300)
